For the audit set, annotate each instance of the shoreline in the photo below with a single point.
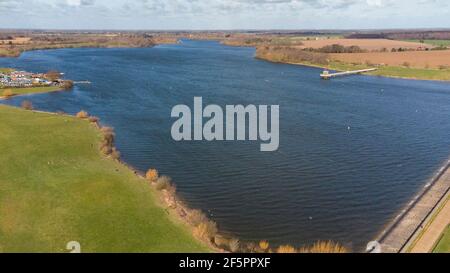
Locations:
(340, 70)
(15, 56)
(403, 229)
(2, 98)
(233, 45)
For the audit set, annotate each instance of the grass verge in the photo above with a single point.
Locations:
(444, 244)
(390, 71)
(397, 72)
(56, 187)
(30, 90)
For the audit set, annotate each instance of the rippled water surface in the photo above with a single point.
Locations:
(353, 150)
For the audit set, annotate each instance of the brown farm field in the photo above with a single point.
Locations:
(366, 44)
(417, 59)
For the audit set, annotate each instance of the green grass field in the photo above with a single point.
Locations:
(6, 70)
(399, 72)
(432, 42)
(56, 187)
(31, 90)
(444, 244)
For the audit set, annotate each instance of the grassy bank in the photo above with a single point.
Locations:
(397, 72)
(56, 187)
(30, 90)
(6, 70)
(443, 43)
(444, 244)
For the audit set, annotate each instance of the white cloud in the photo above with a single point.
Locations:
(160, 14)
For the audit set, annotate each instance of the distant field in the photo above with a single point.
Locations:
(367, 44)
(16, 41)
(444, 244)
(57, 187)
(417, 59)
(432, 42)
(397, 71)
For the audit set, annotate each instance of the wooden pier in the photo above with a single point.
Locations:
(326, 75)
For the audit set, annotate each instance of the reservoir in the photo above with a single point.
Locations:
(352, 151)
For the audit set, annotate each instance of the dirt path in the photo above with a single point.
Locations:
(432, 233)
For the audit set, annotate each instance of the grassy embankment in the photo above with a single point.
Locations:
(444, 244)
(295, 56)
(396, 72)
(443, 43)
(56, 187)
(30, 90)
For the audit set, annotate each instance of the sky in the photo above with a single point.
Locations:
(224, 14)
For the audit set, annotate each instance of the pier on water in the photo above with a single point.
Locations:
(81, 82)
(326, 75)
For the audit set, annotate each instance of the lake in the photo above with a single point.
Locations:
(353, 151)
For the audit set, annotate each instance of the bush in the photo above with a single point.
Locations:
(163, 183)
(406, 64)
(115, 154)
(291, 55)
(206, 230)
(7, 93)
(221, 241)
(234, 245)
(93, 119)
(250, 248)
(27, 105)
(325, 247)
(107, 145)
(336, 48)
(264, 245)
(108, 136)
(67, 85)
(196, 217)
(286, 249)
(152, 175)
(53, 75)
(82, 115)
(106, 150)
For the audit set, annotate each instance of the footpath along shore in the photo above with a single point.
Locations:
(404, 230)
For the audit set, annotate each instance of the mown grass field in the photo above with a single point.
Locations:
(444, 244)
(6, 70)
(400, 72)
(438, 43)
(30, 90)
(56, 187)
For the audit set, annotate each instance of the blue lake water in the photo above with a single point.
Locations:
(326, 182)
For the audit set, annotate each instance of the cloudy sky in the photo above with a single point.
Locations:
(223, 14)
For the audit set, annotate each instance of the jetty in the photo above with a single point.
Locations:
(82, 82)
(326, 75)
